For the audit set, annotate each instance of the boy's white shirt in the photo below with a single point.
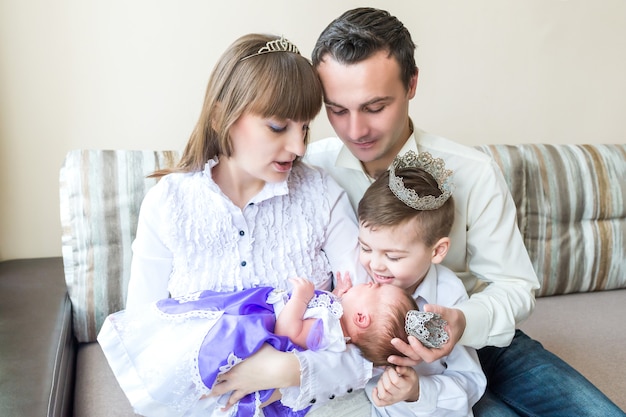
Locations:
(449, 386)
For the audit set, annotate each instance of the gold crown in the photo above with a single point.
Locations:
(277, 45)
(434, 166)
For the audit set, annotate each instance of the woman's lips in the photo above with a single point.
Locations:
(283, 166)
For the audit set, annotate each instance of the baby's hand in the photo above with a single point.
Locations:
(344, 283)
(396, 384)
(303, 289)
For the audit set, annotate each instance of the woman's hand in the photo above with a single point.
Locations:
(396, 384)
(267, 368)
(415, 352)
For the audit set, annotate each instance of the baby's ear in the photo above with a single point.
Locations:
(440, 250)
(362, 320)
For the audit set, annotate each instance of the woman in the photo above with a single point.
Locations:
(241, 211)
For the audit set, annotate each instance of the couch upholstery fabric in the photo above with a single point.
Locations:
(100, 195)
(576, 240)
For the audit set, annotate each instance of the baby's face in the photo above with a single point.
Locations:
(394, 255)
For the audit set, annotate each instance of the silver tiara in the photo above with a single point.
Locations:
(277, 45)
(427, 327)
(434, 166)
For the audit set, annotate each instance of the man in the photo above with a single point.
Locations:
(365, 60)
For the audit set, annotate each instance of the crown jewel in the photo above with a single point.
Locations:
(277, 45)
(434, 166)
(427, 327)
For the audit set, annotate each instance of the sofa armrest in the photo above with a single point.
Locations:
(37, 348)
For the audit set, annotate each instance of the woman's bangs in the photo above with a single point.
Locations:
(288, 89)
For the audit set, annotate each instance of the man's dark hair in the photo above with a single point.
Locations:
(359, 33)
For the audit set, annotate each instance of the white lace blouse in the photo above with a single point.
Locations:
(191, 237)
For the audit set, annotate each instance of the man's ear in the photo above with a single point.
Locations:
(440, 250)
(361, 319)
(413, 84)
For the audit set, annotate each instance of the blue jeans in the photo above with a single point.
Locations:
(524, 379)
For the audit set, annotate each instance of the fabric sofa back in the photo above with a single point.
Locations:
(571, 207)
(100, 195)
(570, 202)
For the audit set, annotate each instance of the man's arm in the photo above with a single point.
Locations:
(496, 254)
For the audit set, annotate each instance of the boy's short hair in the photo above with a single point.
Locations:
(379, 207)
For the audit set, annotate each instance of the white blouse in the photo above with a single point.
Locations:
(191, 237)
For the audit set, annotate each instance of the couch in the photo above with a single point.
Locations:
(571, 212)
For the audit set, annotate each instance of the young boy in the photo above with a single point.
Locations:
(405, 218)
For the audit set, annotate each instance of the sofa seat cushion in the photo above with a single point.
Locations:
(36, 345)
(97, 391)
(586, 331)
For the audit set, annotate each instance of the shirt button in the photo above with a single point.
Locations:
(241, 233)
(349, 390)
(313, 401)
(331, 397)
(243, 263)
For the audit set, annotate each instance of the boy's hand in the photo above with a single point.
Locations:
(344, 283)
(415, 352)
(303, 289)
(396, 384)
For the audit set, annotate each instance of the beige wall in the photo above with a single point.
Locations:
(131, 75)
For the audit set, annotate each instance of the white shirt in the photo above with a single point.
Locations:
(451, 385)
(191, 237)
(486, 245)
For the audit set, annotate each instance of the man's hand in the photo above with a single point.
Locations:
(396, 384)
(268, 368)
(415, 352)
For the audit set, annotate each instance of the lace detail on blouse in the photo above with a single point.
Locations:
(217, 246)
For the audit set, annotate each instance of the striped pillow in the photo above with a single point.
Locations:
(571, 212)
(101, 192)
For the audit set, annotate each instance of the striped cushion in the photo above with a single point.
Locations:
(101, 192)
(571, 212)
